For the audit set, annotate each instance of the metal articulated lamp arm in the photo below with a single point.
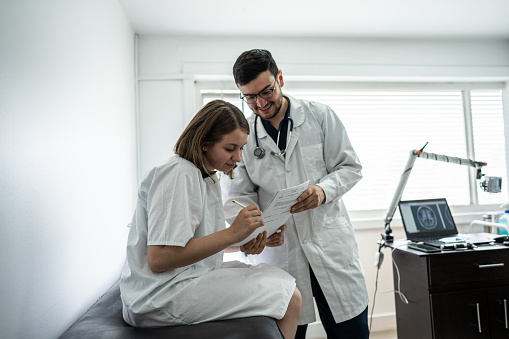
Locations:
(387, 236)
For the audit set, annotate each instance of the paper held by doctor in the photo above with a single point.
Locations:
(277, 212)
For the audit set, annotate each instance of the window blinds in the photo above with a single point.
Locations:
(385, 125)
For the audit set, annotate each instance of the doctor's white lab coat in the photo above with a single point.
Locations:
(319, 150)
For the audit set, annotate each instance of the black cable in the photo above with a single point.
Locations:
(374, 297)
(380, 246)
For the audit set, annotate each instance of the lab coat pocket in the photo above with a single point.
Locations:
(339, 222)
(337, 242)
(313, 163)
(327, 216)
(335, 222)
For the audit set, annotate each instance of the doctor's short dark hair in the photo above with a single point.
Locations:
(213, 121)
(251, 63)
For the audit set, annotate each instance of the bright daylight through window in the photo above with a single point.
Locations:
(385, 125)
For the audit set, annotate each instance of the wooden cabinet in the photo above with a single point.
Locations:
(455, 294)
(460, 314)
(498, 306)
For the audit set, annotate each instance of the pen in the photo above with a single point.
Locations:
(238, 203)
(244, 206)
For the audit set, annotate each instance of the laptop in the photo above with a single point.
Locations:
(430, 221)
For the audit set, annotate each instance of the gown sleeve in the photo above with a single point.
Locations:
(174, 206)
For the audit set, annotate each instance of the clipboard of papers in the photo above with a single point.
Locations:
(277, 212)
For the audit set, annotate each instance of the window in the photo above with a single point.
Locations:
(385, 125)
(488, 130)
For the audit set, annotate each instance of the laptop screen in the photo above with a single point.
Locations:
(426, 219)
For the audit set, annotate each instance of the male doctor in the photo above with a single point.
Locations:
(292, 141)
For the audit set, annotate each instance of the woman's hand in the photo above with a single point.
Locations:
(162, 258)
(256, 245)
(277, 239)
(245, 224)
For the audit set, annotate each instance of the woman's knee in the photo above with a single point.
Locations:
(296, 301)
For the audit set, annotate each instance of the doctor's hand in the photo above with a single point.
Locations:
(312, 197)
(277, 239)
(245, 224)
(256, 245)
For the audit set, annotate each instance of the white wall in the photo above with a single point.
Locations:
(68, 159)
(167, 63)
(168, 66)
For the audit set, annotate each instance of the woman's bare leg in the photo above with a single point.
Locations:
(288, 324)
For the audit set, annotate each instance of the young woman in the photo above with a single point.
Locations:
(174, 273)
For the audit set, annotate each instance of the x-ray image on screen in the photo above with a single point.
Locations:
(432, 217)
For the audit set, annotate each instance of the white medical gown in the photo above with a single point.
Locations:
(175, 204)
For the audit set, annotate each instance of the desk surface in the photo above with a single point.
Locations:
(402, 244)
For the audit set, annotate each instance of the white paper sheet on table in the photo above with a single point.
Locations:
(278, 211)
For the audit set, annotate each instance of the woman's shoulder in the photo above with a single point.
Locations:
(179, 167)
(177, 161)
(176, 168)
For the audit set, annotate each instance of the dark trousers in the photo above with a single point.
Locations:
(355, 328)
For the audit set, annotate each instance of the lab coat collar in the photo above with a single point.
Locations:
(269, 145)
(296, 111)
(262, 133)
(298, 116)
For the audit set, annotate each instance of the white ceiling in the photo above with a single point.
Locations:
(321, 18)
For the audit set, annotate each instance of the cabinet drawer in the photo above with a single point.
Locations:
(472, 267)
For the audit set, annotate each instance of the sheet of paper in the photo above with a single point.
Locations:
(278, 211)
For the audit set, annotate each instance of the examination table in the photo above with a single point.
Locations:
(104, 320)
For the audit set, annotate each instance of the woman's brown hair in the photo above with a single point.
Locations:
(216, 119)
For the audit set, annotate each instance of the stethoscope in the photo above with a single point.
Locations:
(260, 152)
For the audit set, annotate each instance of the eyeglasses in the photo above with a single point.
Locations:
(266, 94)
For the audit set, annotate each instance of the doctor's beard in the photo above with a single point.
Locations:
(276, 112)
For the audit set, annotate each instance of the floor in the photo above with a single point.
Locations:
(384, 335)
(391, 334)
